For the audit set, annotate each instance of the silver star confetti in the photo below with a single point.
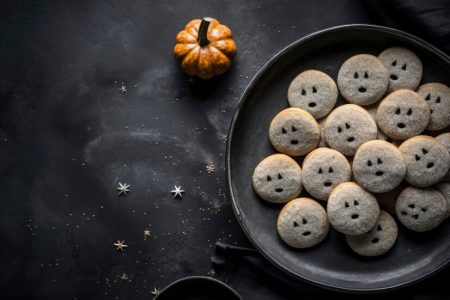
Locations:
(123, 88)
(120, 245)
(177, 191)
(212, 272)
(155, 291)
(210, 168)
(146, 234)
(123, 188)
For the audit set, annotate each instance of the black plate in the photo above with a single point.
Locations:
(331, 264)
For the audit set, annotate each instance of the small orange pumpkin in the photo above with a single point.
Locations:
(205, 48)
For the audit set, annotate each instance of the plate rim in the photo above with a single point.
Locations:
(275, 58)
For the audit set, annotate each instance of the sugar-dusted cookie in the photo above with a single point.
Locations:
(277, 178)
(420, 209)
(351, 210)
(378, 240)
(294, 131)
(313, 91)
(324, 169)
(437, 95)
(378, 166)
(444, 139)
(405, 68)
(427, 161)
(347, 127)
(403, 114)
(302, 223)
(444, 188)
(363, 79)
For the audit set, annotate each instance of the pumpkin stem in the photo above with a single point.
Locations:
(203, 32)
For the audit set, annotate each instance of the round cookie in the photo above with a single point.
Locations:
(302, 223)
(444, 188)
(444, 139)
(348, 127)
(362, 79)
(437, 96)
(378, 240)
(420, 209)
(323, 170)
(294, 131)
(403, 114)
(313, 91)
(427, 161)
(378, 166)
(351, 210)
(277, 178)
(404, 67)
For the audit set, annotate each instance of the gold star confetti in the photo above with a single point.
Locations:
(177, 191)
(123, 88)
(120, 245)
(123, 188)
(146, 234)
(212, 272)
(155, 291)
(210, 168)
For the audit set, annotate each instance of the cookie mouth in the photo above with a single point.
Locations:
(294, 142)
(306, 233)
(278, 190)
(327, 183)
(401, 125)
(350, 139)
(362, 89)
(312, 104)
(379, 173)
(393, 77)
(355, 216)
(375, 240)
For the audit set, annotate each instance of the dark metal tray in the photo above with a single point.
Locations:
(330, 264)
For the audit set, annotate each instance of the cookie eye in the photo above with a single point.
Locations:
(293, 129)
(428, 97)
(403, 213)
(398, 111)
(330, 170)
(411, 206)
(394, 63)
(404, 67)
(369, 163)
(295, 224)
(279, 176)
(366, 75)
(424, 209)
(379, 161)
(320, 170)
(409, 112)
(269, 178)
(379, 227)
(438, 99)
(304, 221)
(283, 131)
(347, 125)
(303, 92)
(417, 157)
(314, 89)
(356, 203)
(424, 151)
(346, 204)
(339, 129)
(356, 75)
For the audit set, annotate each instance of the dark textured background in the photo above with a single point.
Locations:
(68, 136)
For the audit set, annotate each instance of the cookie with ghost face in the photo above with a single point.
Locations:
(277, 178)
(404, 67)
(403, 114)
(348, 127)
(444, 139)
(313, 91)
(420, 209)
(351, 210)
(427, 161)
(378, 166)
(302, 223)
(294, 131)
(378, 240)
(437, 96)
(323, 170)
(444, 188)
(362, 79)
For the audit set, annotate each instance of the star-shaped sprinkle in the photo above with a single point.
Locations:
(177, 191)
(212, 272)
(146, 234)
(120, 245)
(123, 88)
(124, 277)
(210, 168)
(123, 188)
(155, 291)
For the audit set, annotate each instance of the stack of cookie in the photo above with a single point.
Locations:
(361, 157)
